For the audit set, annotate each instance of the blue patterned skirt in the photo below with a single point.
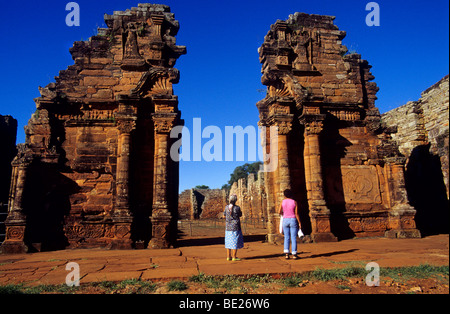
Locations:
(234, 240)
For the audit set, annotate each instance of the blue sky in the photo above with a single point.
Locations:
(221, 74)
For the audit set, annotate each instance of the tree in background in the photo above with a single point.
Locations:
(242, 172)
(202, 187)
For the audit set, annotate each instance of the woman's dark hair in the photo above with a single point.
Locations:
(287, 193)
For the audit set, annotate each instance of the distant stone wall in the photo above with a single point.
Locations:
(201, 203)
(424, 122)
(421, 131)
(185, 206)
(251, 196)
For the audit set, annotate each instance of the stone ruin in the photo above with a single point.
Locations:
(422, 132)
(95, 169)
(196, 204)
(334, 154)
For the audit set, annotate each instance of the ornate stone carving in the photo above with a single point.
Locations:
(314, 128)
(360, 184)
(284, 127)
(163, 124)
(15, 233)
(126, 126)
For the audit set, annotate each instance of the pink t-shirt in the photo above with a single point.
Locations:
(288, 206)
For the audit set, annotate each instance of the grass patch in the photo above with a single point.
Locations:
(415, 272)
(399, 274)
(132, 286)
(338, 274)
(240, 284)
(231, 282)
(11, 289)
(177, 285)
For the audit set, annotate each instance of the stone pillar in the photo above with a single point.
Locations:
(266, 140)
(161, 216)
(318, 210)
(123, 168)
(122, 217)
(401, 214)
(16, 220)
(281, 176)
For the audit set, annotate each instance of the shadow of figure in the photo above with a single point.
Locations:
(217, 240)
(427, 192)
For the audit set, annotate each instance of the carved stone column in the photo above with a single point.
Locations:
(122, 217)
(318, 210)
(161, 216)
(269, 153)
(123, 167)
(16, 220)
(281, 176)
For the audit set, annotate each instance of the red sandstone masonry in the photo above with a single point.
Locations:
(95, 170)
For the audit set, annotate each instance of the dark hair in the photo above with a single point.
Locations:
(287, 193)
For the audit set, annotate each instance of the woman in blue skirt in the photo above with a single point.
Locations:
(234, 239)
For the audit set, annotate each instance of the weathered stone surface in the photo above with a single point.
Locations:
(251, 196)
(202, 203)
(95, 170)
(420, 129)
(333, 153)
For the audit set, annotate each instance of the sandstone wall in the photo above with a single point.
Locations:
(333, 153)
(95, 170)
(201, 203)
(185, 206)
(421, 130)
(424, 122)
(251, 196)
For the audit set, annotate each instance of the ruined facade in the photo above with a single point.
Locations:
(251, 196)
(95, 169)
(333, 153)
(202, 204)
(210, 203)
(421, 130)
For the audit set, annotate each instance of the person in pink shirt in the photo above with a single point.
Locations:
(291, 223)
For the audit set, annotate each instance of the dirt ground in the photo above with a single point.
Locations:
(203, 254)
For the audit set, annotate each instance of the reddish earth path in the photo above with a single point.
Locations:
(207, 256)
